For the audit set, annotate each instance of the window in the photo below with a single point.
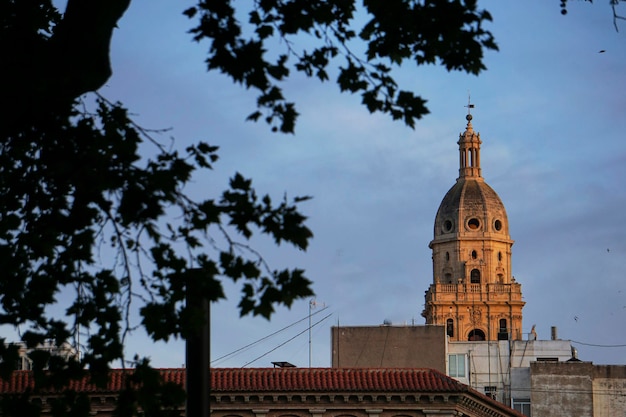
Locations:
(547, 359)
(491, 392)
(23, 364)
(475, 276)
(503, 332)
(474, 254)
(476, 335)
(522, 405)
(450, 327)
(447, 256)
(456, 366)
(473, 224)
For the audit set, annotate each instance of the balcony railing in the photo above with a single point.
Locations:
(475, 292)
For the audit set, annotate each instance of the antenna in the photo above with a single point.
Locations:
(312, 304)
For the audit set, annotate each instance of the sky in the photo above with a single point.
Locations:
(550, 109)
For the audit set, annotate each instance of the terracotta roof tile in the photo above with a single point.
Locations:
(332, 379)
(279, 379)
(337, 380)
(22, 380)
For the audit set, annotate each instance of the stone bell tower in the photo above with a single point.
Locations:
(473, 292)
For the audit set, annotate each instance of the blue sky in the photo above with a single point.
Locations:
(550, 109)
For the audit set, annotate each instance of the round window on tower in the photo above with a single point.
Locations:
(473, 223)
(497, 225)
(447, 226)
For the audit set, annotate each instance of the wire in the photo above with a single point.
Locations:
(286, 341)
(602, 346)
(266, 337)
(582, 391)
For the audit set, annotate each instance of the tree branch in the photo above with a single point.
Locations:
(80, 45)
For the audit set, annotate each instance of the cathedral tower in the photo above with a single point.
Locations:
(473, 292)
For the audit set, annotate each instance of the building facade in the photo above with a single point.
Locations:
(389, 347)
(343, 392)
(473, 292)
(500, 369)
(66, 351)
(576, 388)
(302, 392)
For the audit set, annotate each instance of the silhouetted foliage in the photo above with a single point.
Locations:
(73, 181)
(613, 3)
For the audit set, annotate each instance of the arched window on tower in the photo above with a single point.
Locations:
(503, 331)
(475, 276)
(450, 327)
(476, 335)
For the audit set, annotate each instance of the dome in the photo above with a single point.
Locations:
(471, 206)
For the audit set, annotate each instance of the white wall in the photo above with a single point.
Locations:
(505, 364)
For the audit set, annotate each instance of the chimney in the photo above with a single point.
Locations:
(554, 333)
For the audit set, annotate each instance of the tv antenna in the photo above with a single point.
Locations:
(312, 304)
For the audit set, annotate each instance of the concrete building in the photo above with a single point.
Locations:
(389, 347)
(24, 363)
(578, 389)
(500, 369)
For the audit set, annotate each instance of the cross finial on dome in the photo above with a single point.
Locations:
(469, 106)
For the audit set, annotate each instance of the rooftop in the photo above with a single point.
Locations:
(278, 379)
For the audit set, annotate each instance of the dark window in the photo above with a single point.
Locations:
(497, 225)
(503, 332)
(475, 276)
(447, 256)
(448, 278)
(476, 335)
(474, 254)
(491, 392)
(450, 327)
(473, 224)
(502, 325)
(499, 256)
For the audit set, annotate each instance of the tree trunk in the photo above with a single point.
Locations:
(42, 76)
